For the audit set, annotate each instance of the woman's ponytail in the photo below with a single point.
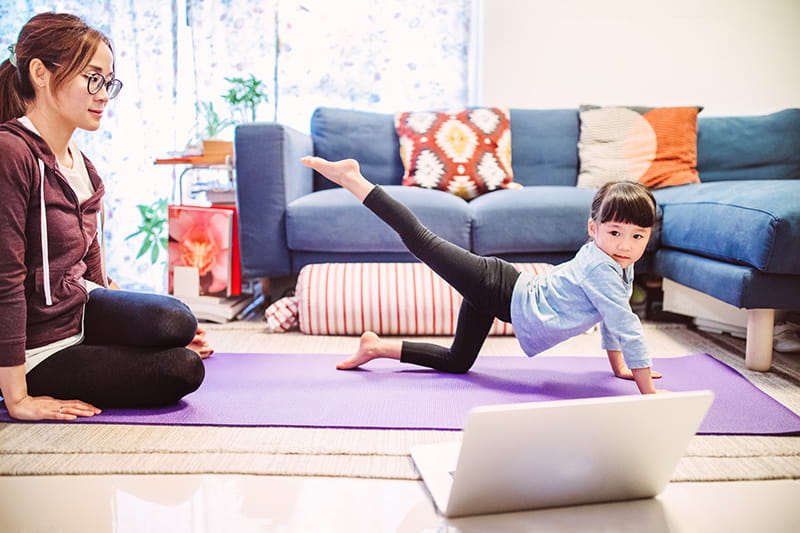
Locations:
(11, 103)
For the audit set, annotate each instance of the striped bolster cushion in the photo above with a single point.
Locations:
(387, 298)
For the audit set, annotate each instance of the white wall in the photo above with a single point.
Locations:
(734, 57)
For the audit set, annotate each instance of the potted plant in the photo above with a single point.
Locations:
(244, 96)
(213, 123)
(215, 150)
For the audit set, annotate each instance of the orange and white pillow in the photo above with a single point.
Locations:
(654, 146)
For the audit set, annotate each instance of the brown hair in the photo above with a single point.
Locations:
(63, 42)
(627, 202)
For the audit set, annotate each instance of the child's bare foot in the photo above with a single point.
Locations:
(371, 347)
(346, 173)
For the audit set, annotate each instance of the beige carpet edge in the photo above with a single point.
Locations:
(358, 466)
(31, 439)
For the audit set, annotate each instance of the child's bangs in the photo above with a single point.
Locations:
(629, 209)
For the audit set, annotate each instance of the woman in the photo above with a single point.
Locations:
(70, 340)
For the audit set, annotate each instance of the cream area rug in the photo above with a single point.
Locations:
(57, 449)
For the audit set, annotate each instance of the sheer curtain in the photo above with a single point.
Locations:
(139, 124)
(378, 55)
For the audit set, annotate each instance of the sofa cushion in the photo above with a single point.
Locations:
(755, 223)
(369, 138)
(747, 148)
(738, 285)
(540, 219)
(655, 146)
(334, 221)
(544, 146)
(465, 152)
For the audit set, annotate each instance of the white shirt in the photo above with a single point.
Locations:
(77, 176)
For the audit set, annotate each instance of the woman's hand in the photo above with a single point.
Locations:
(200, 345)
(22, 406)
(47, 408)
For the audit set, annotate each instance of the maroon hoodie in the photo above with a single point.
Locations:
(34, 311)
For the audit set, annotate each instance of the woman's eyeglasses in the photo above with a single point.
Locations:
(96, 81)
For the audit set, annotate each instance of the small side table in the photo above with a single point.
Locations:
(198, 162)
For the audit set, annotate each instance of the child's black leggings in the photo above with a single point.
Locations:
(486, 283)
(133, 354)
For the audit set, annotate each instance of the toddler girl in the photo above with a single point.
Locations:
(595, 286)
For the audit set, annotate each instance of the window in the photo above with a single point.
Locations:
(378, 55)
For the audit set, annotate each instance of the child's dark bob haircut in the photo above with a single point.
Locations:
(626, 202)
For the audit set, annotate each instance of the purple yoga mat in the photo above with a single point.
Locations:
(307, 390)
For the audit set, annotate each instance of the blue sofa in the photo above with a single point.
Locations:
(735, 236)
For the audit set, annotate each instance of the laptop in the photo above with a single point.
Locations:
(566, 452)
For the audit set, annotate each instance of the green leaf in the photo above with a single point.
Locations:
(152, 229)
(245, 95)
(142, 250)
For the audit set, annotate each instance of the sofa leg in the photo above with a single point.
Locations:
(265, 286)
(758, 351)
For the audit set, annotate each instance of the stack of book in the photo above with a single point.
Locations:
(217, 309)
(204, 267)
(219, 196)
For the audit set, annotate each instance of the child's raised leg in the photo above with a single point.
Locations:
(486, 283)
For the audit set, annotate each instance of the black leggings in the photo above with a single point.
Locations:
(133, 354)
(486, 283)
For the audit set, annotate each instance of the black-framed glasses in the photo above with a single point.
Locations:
(95, 82)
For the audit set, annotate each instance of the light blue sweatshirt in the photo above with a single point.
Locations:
(574, 296)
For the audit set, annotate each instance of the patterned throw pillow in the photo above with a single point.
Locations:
(655, 146)
(466, 152)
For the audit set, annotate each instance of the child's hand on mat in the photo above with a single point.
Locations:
(625, 373)
(200, 345)
(47, 408)
(620, 369)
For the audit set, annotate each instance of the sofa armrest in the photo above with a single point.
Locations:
(269, 175)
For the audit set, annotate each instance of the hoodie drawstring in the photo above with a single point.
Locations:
(101, 236)
(48, 297)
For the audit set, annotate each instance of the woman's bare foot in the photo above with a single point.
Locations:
(200, 345)
(371, 347)
(346, 173)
